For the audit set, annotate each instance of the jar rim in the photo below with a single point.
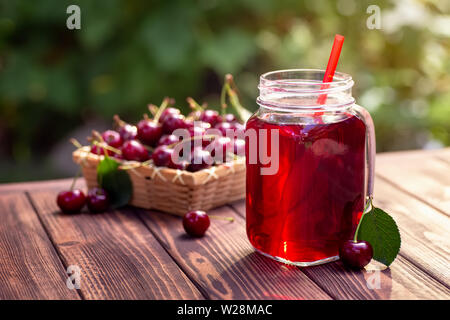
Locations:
(283, 81)
(283, 89)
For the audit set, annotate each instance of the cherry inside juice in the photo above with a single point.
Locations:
(316, 198)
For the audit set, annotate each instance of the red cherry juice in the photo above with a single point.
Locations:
(316, 198)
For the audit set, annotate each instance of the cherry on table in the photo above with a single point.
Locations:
(133, 150)
(355, 254)
(71, 201)
(196, 223)
(97, 200)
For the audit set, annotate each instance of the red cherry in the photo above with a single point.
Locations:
(229, 117)
(210, 116)
(177, 164)
(195, 114)
(239, 129)
(149, 132)
(199, 131)
(196, 131)
(95, 149)
(173, 122)
(239, 147)
(224, 128)
(168, 139)
(220, 148)
(355, 254)
(161, 156)
(133, 150)
(196, 223)
(128, 132)
(112, 138)
(118, 156)
(200, 159)
(97, 200)
(71, 201)
(168, 113)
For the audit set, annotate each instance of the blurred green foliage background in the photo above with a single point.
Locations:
(129, 53)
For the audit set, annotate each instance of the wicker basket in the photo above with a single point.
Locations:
(174, 191)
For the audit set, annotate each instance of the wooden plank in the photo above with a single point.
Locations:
(224, 263)
(420, 174)
(119, 258)
(59, 184)
(424, 230)
(443, 155)
(402, 280)
(29, 266)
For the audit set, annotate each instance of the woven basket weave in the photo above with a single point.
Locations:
(174, 191)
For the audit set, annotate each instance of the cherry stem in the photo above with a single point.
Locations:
(231, 219)
(194, 104)
(231, 90)
(165, 103)
(368, 204)
(153, 109)
(107, 147)
(76, 143)
(75, 179)
(223, 95)
(119, 122)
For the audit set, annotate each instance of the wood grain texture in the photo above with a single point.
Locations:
(29, 265)
(60, 184)
(119, 258)
(401, 281)
(224, 263)
(424, 230)
(423, 175)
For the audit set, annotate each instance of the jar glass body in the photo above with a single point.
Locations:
(313, 197)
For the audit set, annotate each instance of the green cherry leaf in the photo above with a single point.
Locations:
(116, 182)
(380, 230)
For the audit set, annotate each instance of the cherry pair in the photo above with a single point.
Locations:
(72, 201)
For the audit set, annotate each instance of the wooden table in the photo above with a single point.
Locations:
(139, 254)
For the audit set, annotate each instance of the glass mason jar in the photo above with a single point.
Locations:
(310, 165)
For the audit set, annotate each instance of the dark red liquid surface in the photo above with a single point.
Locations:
(316, 198)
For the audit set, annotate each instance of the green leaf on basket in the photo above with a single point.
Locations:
(116, 182)
(380, 230)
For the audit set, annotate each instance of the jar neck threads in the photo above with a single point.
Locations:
(298, 90)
